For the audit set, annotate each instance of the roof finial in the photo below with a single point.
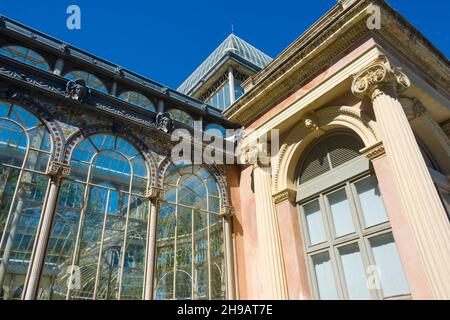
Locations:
(232, 27)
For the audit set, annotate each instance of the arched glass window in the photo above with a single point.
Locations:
(100, 226)
(25, 55)
(25, 148)
(347, 234)
(181, 116)
(190, 261)
(91, 80)
(138, 99)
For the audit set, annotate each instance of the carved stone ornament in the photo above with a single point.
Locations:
(379, 77)
(155, 193)
(226, 212)
(58, 169)
(77, 90)
(164, 122)
(311, 122)
(257, 154)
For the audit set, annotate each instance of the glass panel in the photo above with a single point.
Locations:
(91, 80)
(324, 276)
(354, 272)
(371, 201)
(25, 55)
(393, 280)
(13, 144)
(341, 213)
(113, 228)
(217, 257)
(18, 229)
(313, 215)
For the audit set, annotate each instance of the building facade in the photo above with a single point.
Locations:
(354, 204)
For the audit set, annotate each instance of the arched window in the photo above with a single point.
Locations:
(25, 148)
(91, 80)
(100, 225)
(190, 246)
(346, 229)
(25, 55)
(181, 116)
(138, 99)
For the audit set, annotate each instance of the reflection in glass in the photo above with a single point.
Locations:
(137, 99)
(393, 280)
(24, 153)
(314, 220)
(371, 201)
(324, 276)
(90, 80)
(354, 272)
(100, 225)
(340, 210)
(190, 261)
(25, 55)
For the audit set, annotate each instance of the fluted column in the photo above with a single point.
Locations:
(273, 274)
(423, 208)
(155, 196)
(56, 171)
(227, 213)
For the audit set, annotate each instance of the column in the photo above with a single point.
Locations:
(422, 206)
(292, 244)
(56, 171)
(59, 66)
(231, 83)
(227, 213)
(155, 196)
(269, 241)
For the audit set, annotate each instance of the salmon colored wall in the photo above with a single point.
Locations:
(245, 234)
(411, 262)
(293, 254)
(313, 83)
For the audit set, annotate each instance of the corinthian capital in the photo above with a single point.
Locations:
(379, 77)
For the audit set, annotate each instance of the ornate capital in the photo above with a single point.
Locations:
(257, 155)
(77, 90)
(374, 151)
(226, 212)
(155, 193)
(286, 194)
(379, 78)
(58, 169)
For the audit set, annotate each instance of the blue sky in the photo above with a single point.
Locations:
(167, 40)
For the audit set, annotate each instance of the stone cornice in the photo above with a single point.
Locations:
(336, 32)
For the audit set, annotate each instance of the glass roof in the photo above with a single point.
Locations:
(232, 44)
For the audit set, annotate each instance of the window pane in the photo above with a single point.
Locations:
(393, 281)
(371, 201)
(354, 272)
(324, 276)
(340, 210)
(314, 221)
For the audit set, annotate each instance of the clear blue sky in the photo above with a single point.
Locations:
(166, 40)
